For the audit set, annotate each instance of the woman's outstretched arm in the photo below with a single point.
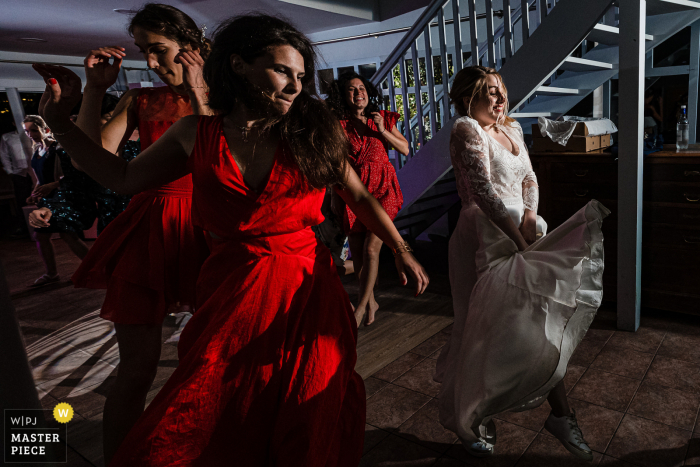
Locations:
(370, 212)
(162, 162)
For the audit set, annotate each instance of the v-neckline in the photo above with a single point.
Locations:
(249, 190)
(505, 148)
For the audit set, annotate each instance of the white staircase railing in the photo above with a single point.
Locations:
(414, 84)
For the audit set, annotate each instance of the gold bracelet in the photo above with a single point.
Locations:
(402, 247)
(73, 127)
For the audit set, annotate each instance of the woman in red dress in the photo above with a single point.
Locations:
(149, 257)
(355, 100)
(266, 373)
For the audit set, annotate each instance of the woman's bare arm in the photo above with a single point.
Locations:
(370, 212)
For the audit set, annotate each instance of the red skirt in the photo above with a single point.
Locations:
(381, 181)
(266, 374)
(148, 258)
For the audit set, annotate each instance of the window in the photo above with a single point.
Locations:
(325, 78)
(368, 70)
(345, 69)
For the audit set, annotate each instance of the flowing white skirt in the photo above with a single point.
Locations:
(518, 315)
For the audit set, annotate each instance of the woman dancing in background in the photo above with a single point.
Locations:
(149, 257)
(47, 169)
(370, 132)
(266, 373)
(521, 306)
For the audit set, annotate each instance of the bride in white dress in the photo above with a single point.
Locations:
(522, 303)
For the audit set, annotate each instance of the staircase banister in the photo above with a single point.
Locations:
(415, 32)
(405, 42)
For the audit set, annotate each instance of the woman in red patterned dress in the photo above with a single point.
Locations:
(371, 132)
(149, 257)
(266, 373)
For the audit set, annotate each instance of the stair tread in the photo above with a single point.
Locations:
(529, 114)
(554, 90)
(660, 7)
(609, 35)
(584, 64)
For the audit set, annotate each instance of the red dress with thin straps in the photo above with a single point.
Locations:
(150, 255)
(370, 159)
(266, 374)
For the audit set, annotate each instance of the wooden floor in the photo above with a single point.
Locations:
(637, 395)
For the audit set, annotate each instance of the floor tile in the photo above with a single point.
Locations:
(548, 451)
(373, 436)
(597, 423)
(573, 374)
(674, 373)
(373, 385)
(643, 340)
(424, 428)
(599, 334)
(601, 388)
(394, 451)
(399, 366)
(420, 378)
(681, 347)
(608, 461)
(448, 462)
(586, 352)
(665, 405)
(85, 437)
(512, 442)
(623, 362)
(648, 443)
(432, 345)
(531, 419)
(692, 457)
(393, 405)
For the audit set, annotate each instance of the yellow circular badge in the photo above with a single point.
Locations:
(63, 412)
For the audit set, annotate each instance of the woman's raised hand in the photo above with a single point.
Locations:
(99, 72)
(407, 263)
(61, 95)
(378, 121)
(192, 66)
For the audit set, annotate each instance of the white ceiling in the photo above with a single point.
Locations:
(72, 27)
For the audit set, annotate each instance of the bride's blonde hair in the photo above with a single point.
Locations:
(472, 82)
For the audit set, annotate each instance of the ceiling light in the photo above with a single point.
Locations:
(125, 11)
(32, 39)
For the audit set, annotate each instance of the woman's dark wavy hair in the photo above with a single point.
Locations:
(315, 137)
(171, 23)
(337, 101)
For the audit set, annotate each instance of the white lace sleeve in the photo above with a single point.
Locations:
(470, 156)
(531, 191)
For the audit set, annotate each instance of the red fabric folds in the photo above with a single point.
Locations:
(370, 159)
(266, 374)
(150, 255)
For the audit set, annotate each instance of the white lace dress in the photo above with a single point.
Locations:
(518, 315)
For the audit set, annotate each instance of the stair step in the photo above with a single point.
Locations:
(554, 91)
(425, 199)
(403, 217)
(660, 7)
(582, 64)
(608, 35)
(530, 114)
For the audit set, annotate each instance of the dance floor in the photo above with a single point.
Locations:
(636, 395)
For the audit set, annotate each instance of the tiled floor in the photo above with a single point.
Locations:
(636, 394)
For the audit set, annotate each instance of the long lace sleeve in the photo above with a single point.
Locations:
(470, 156)
(531, 191)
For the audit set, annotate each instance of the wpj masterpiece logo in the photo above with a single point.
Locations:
(36, 435)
